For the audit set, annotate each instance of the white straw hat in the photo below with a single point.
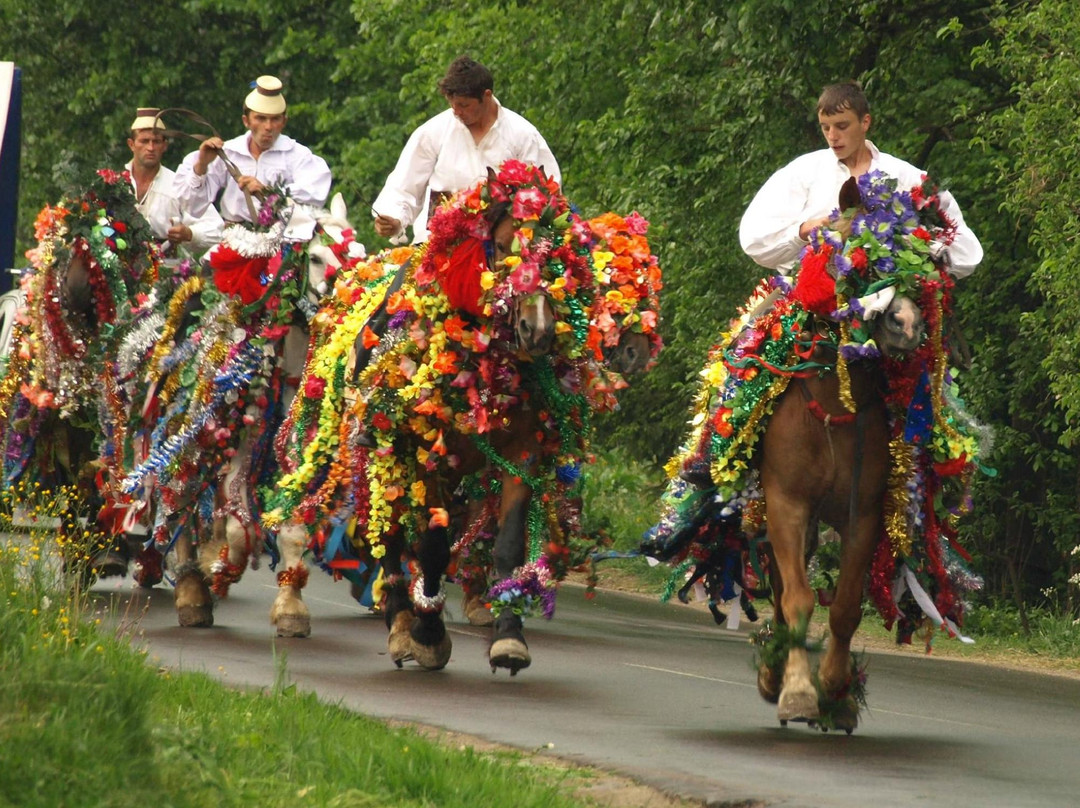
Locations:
(266, 97)
(145, 119)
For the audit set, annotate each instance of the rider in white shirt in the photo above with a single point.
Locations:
(802, 194)
(263, 155)
(453, 151)
(152, 184)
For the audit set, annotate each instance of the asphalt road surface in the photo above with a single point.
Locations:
(660, 693)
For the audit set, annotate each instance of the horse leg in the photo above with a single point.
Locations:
(398, 613)
(431, 644)
(508, 647)
(787, 520)
(835, 672)
(194, 602)
(289, 613)
(474, 577)
(230, 532)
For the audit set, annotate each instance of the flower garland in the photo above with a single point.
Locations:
(101, 229)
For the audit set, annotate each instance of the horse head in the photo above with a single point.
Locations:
(625, 315)
(900, 328)
(630, 355)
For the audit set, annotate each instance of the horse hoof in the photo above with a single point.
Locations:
(798, 706)
(432, 657)
(201, 616)
(476, 612)
(510, 653)
(291, 625)
(508, 647)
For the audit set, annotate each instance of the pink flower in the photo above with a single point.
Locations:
(524, 279)
(514, 172)
(528, 204)
(637, 224)
(314, 387)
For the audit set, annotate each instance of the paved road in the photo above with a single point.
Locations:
(659, 693)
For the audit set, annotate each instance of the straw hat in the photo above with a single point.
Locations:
(145, 119)
(266, 97)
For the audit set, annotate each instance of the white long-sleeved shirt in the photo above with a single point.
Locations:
(809, 188)
(442, 155)
(305, 176)
(160, 205)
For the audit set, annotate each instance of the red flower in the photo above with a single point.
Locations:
(381, 421)
(119, 227)
(314, 387)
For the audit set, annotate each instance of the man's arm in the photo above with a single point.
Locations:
(197, 193)
(311, 179)
(205, 229)
(403, 195)
(770, 229)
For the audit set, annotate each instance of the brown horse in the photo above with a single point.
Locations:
(820, 463)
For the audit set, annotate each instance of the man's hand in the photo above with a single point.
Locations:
(387, 226)
(250, 184)
(807, 226)
(179, 233)
(208, 153)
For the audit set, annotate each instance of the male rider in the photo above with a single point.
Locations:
(263, 155)
(152, 184)
(802, 194)
(453, 151)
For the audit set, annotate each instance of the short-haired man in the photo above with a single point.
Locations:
(155, 198)
(453, 151)
(802, 194)
(263, 155)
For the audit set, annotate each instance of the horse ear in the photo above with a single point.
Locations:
(849, 194)
(337, 207)
(492, 176)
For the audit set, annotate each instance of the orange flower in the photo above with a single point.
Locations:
(371, 339)
(439, 517)
(455, 328)
(446, 363)
(397, 302)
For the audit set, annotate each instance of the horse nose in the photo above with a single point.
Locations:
(536, 340)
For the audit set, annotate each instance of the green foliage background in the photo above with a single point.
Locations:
(679, 110)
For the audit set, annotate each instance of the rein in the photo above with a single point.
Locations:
(230, 166)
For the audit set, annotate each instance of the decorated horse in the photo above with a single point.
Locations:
(473, 393)
(93, 270)
(623, 340)
(830, 400)
(223, 370)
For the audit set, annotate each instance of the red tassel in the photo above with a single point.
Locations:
(460, 279)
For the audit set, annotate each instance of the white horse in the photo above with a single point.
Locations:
(210, 445)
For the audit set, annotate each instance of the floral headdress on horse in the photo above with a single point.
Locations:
(630, 281)
(100, 229)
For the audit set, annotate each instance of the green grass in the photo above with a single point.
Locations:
(622, 498)
(84, 721)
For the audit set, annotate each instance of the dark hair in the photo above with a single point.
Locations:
(466, 77)
(844, 95)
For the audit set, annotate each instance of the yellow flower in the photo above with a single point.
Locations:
(601, 258)
(419, 492)
(487, 279)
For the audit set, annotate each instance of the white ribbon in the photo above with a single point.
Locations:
(906, 580)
